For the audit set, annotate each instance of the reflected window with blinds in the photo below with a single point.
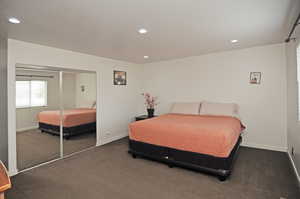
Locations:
(31, 93)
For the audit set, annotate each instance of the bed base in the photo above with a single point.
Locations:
(68, 131)
(220, 167)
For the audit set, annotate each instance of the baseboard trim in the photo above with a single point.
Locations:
(295, 169)
(261, 146)
(27, 128)
(111, 139)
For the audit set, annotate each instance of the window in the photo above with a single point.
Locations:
(32, 93)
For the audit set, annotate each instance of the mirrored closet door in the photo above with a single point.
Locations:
(55, 113)
(37, 108)
(79, 101)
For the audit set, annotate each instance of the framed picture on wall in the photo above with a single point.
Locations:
(255, 77)
(120, 78)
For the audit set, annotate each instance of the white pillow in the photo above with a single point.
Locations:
(186, 108)
(221, 109)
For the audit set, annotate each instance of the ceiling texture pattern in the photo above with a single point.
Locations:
(176, 28)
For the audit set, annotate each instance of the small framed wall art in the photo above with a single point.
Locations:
(255, 77)
(120, 78)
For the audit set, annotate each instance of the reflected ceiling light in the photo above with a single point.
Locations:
(143, 31)
(14, 20)
(234, 41)
(146, 57)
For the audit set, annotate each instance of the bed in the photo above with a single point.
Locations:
(207, 143)
(75, 122)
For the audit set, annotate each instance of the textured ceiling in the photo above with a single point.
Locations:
(177, 28)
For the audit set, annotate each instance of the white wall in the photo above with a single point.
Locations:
(26, 118)
(293, 128)
(116, 105)
(224, 77)
(86, 98)
(69, 91)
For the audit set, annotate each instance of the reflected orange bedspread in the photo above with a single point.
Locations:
(73, 117)
(211, 135)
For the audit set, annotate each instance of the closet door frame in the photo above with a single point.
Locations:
(61, 114)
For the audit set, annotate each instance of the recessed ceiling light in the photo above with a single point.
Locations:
(14, 20)
(146, 57)
(234, 41)
(143, 31)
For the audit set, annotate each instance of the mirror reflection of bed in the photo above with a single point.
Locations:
(38, 114)
(80, 114)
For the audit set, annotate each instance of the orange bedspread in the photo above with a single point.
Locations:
(212, 135)
(73, 117)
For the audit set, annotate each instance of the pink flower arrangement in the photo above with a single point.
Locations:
(150, 101)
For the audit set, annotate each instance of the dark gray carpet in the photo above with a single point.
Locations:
(34, 147)
(110, 172)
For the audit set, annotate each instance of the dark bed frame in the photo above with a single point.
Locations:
(221, 167)
(68, 131)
